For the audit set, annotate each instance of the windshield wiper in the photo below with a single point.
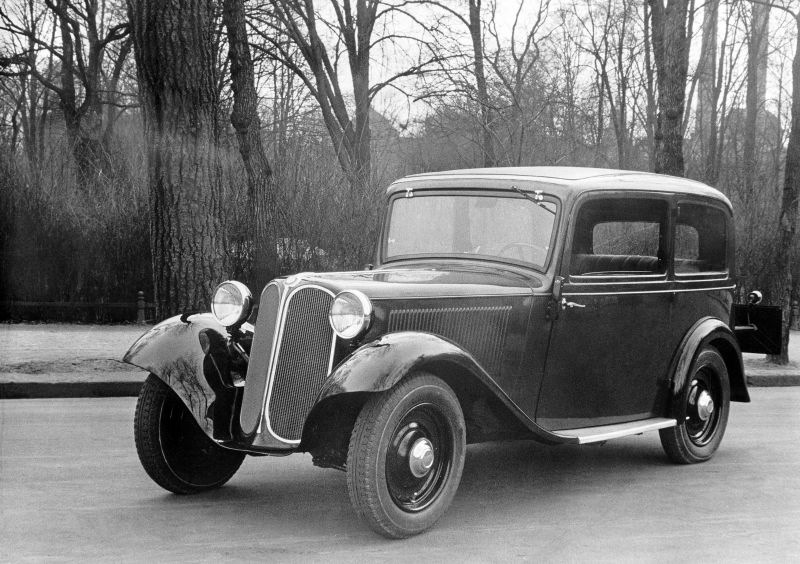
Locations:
(527, 196)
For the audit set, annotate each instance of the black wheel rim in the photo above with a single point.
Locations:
(701, 425)
(425, 426)
(191, 456)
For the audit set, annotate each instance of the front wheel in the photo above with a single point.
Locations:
(707, 402)
(173, 449)
(406, 456)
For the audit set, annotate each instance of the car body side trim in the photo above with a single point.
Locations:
(602, 433)
(669, 291)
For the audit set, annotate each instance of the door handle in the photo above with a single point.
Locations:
(565, 304)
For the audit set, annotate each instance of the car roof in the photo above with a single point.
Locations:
(562, 181)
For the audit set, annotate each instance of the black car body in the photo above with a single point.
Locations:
(564, 305)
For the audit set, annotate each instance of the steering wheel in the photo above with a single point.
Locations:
(520, 246)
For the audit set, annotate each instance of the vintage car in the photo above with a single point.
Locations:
(563, 305)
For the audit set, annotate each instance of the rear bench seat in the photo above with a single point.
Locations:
(590, 264)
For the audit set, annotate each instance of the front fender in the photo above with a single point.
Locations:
(714, 332)
(171, 350)
(379, 365)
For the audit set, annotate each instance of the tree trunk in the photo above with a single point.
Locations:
(480, 82)
(756, 91)
(671, 54)
(789, 212)
(707, 92)
(173, 46)
(650, 123)
(244, 118)
(359, 58)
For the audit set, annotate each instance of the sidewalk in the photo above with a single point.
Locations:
(67, 360)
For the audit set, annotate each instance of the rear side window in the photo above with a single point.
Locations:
(701, 240)
(620, 237)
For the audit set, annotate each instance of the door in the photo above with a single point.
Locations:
(610, 343)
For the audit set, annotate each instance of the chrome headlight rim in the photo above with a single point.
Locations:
(363, 315)
(243, 309)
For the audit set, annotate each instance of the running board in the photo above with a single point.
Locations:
(607, 432)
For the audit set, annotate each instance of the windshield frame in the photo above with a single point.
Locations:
(513, 192)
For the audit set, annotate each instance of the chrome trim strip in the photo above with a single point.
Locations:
(689, 279)
(455, 296)
(602, 433)
(276, 354)
(671, 291)
(580, 280)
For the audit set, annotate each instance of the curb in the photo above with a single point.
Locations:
(39, 390)
(773, 380)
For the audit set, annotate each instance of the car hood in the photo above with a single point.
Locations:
(423, 282)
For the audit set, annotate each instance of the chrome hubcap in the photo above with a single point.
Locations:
(705, 405)
(420, 458)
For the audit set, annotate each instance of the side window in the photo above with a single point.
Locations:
(700, 240)
(620, 237)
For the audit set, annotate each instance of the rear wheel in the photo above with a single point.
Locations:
(406, 456)
(707, 402)
(173, 449)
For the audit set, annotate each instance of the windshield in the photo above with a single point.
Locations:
(510, 228)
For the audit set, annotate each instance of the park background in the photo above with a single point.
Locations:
(162, 146)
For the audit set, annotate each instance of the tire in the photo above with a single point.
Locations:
(406, 456)
(173, 449)
(697, 438)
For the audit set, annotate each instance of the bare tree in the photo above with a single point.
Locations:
(261, 197)
(609, 30)
(476, 89)
(84, 39)
(30, 101)
(175, 59)
(513, 66)
(671, 54)
(756, 89)
(476, 35)
(790, 206)
(352, 27)
(706, 123)
(650, 88)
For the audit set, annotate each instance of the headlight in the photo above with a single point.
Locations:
(231, 303)
(350, 314)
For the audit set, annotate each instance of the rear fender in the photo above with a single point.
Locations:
(381, 364)
(712, 332)
(171, 350)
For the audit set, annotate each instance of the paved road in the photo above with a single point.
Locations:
(71, 488)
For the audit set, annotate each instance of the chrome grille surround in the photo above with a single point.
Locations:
(302, 359)
(263, 346)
